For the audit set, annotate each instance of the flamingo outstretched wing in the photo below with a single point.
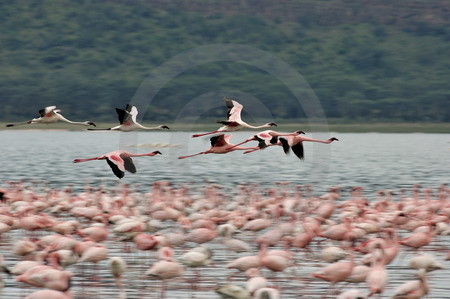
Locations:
(218, 140)
(128, 164)
(46, 110)
(119, 173)
(234, 110)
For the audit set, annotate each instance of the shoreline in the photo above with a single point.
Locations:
(382, 127)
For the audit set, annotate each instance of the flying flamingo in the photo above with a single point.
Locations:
(127, 119)
(50, 115)
(234, 121)
(119, 161)
(268, 138)
(219, 145)
(296, 144)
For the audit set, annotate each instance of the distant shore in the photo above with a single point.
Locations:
(342, 128)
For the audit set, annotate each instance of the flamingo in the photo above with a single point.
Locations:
(234, 121)
(377, 278)
(50, 115)
(119, 161)
(50, 294)
(414, 289)
(426, 262)
(220, 145)
(352, 294)
(195, 258)
(296, 144)
(268, 138)
(46, 276)
(255, 281)
(118, 266)
(165, 269)
(127, 119)
(232, 291)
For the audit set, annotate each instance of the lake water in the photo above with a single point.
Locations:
(371, 160)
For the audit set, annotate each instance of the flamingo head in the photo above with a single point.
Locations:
(164, 127)
(334, 139)
(272, 124)
(156, 152)
(89, 123)
(300, 132)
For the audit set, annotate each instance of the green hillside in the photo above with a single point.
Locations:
(365, 61)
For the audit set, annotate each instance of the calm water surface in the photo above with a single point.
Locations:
(372, 160)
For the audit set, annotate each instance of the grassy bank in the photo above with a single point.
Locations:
(343, 128)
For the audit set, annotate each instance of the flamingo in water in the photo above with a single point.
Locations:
(50, 115)
(119, 161)
(220, 145)
(127, 119)
(234, 121)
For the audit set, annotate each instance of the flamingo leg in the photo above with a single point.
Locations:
(184, 157)
(199, 135)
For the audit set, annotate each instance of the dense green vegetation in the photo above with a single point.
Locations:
(88, 57)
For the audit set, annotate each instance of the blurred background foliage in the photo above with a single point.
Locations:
(365, 60)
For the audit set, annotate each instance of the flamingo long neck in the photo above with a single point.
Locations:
(142, 155)
(241, 148)
(147, 128)
(257, 127)
(62, 118)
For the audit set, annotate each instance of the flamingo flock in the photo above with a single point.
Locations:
(178, 241)
(121, 161)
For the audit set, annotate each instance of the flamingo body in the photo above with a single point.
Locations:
(119, 161)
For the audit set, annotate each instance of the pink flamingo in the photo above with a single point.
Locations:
(98, 232)
(119, 161)
(296, 144)
(219, 145)
(336, 272)
(47, 277)
(417, 240)
(352, 294)
(50, 294)
(275, 261)
(94, 254)
(377, 278)
(128, 122)
(166, 268)
(255, 281)
(50, 115)
(234, 121)
(201, 235)
(414, 289)
(268, 138)
(145, 241)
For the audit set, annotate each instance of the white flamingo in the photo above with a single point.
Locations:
(50, 115)
(127, 120)
(234, 121)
